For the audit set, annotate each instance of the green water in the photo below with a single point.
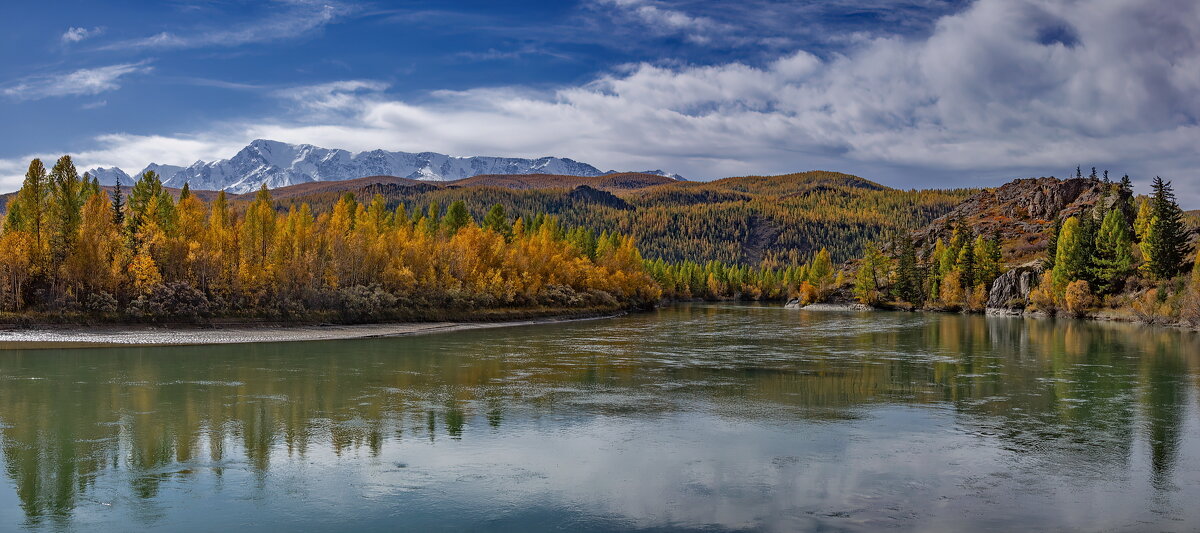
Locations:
(689, 418)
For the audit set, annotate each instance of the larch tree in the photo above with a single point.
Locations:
(1072, 262)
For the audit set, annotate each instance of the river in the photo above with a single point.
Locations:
(699, 417)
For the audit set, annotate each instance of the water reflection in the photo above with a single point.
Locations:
(748, 417)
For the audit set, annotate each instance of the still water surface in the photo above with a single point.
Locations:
(690, 418)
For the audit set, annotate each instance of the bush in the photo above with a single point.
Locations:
(100, 302)
(978, 300)
(365, 303)
(808, 293)
(952, 294)
(559, 296)
(171, 300)
(1042, 296)
(1078, 298)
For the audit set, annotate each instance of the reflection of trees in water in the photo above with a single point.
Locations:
(1059, 390)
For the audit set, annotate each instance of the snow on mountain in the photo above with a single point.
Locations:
(108, 176)
(280, 164)
(165, 172)
(658, 172)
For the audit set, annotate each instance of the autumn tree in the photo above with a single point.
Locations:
(1072, 261)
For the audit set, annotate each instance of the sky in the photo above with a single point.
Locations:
(910, 93)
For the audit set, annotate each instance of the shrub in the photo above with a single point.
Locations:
(361, 303)
(808, 293)
(978, 300)
(100, 302)
(1078, 298)
(952, 294)
(1042, 296)
(171, 300)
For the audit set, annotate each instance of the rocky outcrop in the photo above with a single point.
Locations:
(1021, 211)
(1010, 291)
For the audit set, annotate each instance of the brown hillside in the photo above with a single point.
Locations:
(1021, 210)
(315, 187)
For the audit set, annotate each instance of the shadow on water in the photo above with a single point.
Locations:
(126, 435)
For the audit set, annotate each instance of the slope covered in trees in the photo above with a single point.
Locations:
(777, 220)
(67, 247)
(1077, 247)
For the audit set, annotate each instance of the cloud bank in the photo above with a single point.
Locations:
(1001, 89)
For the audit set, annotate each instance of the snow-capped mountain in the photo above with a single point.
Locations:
(165, 172)
(658, 172)
(280, 164)
(108, 176)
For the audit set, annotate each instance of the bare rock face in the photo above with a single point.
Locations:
(1010, 291)
(1021, 211)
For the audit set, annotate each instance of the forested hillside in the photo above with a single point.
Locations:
(367, 247)
(1075, 247)
(777, 220)
(68, 248)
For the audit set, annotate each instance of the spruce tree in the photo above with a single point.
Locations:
(1166, 243)
(908, 279)
(118, 204)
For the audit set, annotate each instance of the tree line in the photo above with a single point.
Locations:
(69, 246)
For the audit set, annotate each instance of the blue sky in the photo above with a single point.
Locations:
(913, 93)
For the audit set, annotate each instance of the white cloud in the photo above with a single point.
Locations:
(82, 82)
(292, 19)
(1002, 89)
(75, 34)
(664, 20)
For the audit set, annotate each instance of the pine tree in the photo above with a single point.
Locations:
(497, 221)
(457, 217)
(1114, 255)
(185, 192)
(821, 273)
(1052, 244)
(907, 286)
(66, 202)
(118, 204)
(1165, 245)
(33, 205)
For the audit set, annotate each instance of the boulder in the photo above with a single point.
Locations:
(1010, 291)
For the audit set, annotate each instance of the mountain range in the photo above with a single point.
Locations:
(281, 164)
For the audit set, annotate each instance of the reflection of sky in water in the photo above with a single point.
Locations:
(694, 418)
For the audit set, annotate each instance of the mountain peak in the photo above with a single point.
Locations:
(280, 164)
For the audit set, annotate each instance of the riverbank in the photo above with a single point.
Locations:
(77, 336)
(1104, 315)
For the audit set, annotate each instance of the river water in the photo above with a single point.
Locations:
(703, 417)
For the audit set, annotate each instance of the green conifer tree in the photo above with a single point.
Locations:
(1165, 245)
